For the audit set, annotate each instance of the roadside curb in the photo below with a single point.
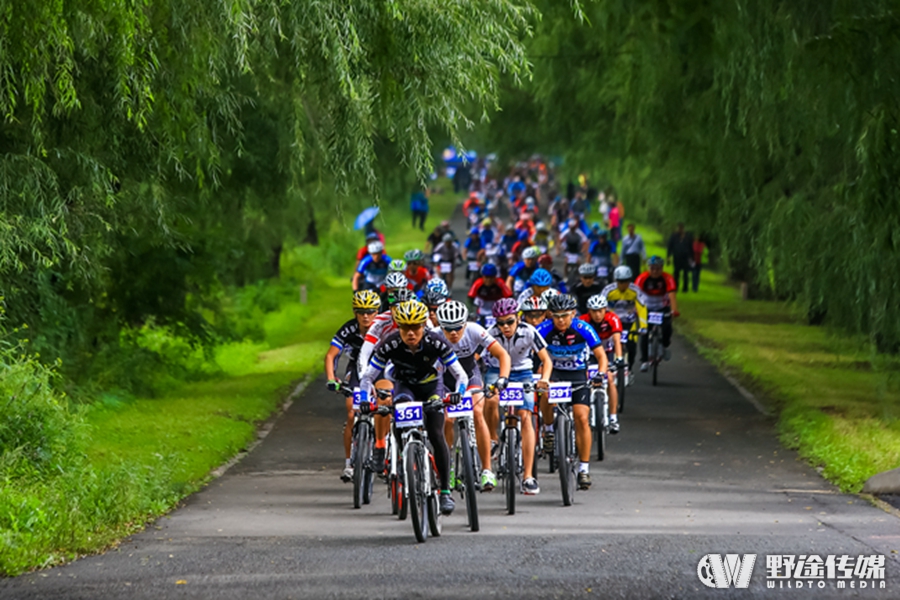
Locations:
(264, 429)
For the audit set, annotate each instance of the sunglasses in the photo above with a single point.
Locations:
(506, 322)
(560, 315)
(365, 311)
(452, 329)
(411, 327)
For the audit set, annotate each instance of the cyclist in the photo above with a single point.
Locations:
(414, 354)
(471, 250)
(586, 286)
(659, 290)
(523, 270)
(372, 269)
(539, 282)
(433, 299)
(398, 265)
(394, 281)
(570, 341)
(609, 328)
(468, 340)
(542, 238)
(486, 290)
(574, 244)
(348, 340)
(415, 272)
(445, 256)
(364, 251)
(603, 256)
(534, 310)
(520, 340)
(628, 302)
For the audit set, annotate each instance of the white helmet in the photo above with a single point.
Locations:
(375, 247)
(452, 314)
(395, 280)
(622, 273)
(596, 302)
(587, 270)
(531, 252)
(549, 294)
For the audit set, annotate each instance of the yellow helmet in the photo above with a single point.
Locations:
(366, 300)
(411, 312)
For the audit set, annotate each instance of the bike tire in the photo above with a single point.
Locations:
(655, 365)
(393, 490)
(620, 387)
(469, 481)
(359, 461)
(435, 518)
(415, 474)
(511, 471)
(565, 474)
(402, 502)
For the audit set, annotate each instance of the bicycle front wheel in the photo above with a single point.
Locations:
(468, 473)
(415, 481)
(361, 459)
(566, 477)
(620, 387)
(512, 463)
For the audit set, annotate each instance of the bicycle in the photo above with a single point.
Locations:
(599, 408)
(539, 435)
(565, 450)
(654, 342)
(361, 449)
(421, 489)
(509, 464)
(465, 456)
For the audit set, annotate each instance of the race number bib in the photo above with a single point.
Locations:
(359, 396)
(409, 414)
(435, 258)
(592, 371)
(512, 395)
(473, 265)
(560, 392)
(446, 267)
(655, 318)
(489, 321)
(624, 337)
(463, 409)
(602, 271)
(572, 259)
(535, 377)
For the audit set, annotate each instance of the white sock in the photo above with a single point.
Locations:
(584, 468)
(614, 418)
(548, 428)
(347, 463)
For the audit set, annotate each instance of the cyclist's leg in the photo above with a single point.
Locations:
(611, 389)
(581, 411)
(525, 413)
(382, 422)
(667, 331)
(434, 424)
(632, 346)
(645, 344)
(348, 431)
(490, 417)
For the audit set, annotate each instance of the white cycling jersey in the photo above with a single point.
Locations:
(520, 346)
(475, 340)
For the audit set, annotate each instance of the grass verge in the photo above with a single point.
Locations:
(836, 400)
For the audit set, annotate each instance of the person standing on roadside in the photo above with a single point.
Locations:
(615, 228)
(699, 246)
(633, 250)
(680, 253)
(418, 204)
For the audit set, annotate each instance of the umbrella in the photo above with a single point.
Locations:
(366, 217)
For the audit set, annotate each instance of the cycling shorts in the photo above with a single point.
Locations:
(492, 375)
(577, 379)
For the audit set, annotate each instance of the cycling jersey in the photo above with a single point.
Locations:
(630, 305)
(475, 340)
(520, 274)
(523, 343)
(583, 292)
(573, 240)
(374, 272)
(348, 340)
(569, 349)
(656, 289)
(381, 327)
(414, 368)
(606, 329)
(417, 277)
(484, 296)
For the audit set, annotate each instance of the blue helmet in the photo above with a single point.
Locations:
(438, 285)
(655, 260)
(474, 231)
(489, 270)
(541, 277)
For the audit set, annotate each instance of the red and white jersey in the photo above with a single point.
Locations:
(656, 289)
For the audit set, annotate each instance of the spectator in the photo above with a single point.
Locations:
(699, 247)
(615, 229)
(418, 204)
(633, 250)
(680, 252)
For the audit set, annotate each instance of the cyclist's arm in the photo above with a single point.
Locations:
(459, 374)
(370, 374)
(617, 345)
(365, 353)
(640, 304)
(356, 278)
(502, 356)
(330, 359)
(673, 302)
(600, 355)
(546, 364)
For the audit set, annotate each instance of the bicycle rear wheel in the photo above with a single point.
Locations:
(620, 387)
(435, 518)
(655, 351)
(394, 492)
(468, 473)
(600, 429)
(566, 479)
(361, 459)
(512, 463)
(415, 479)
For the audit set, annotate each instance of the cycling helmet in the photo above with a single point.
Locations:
(411, 312)
(489, 270)
(622, 273)
(562, 302)
(398, 265)
(541, 226)
(375, 247)
(433, 298)
(549, 294)
(474, 231)
(532, 304)
(447, 237)
(545, 261)
(504, 307)
(541, 277)
(452, 314)
(414, 256)
(395, 280)
(486, 222)
(531, 252)
(587, 270)
(596, 302)
(400, 295)
(371, 236)
(439, 285)
(655, 260)
(366, 300)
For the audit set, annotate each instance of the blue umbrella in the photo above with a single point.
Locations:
(366, 217)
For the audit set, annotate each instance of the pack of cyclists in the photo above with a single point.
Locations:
(520, 322)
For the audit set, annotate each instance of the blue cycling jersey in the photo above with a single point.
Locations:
(374, 272)
(570, 350)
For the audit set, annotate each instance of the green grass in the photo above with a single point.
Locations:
(837, 402)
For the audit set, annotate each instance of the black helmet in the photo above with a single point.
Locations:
(432, 297)
(562, 303)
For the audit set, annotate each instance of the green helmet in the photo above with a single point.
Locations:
(397, 266)
(414, 256)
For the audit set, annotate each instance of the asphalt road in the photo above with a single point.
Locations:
(696, 470)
